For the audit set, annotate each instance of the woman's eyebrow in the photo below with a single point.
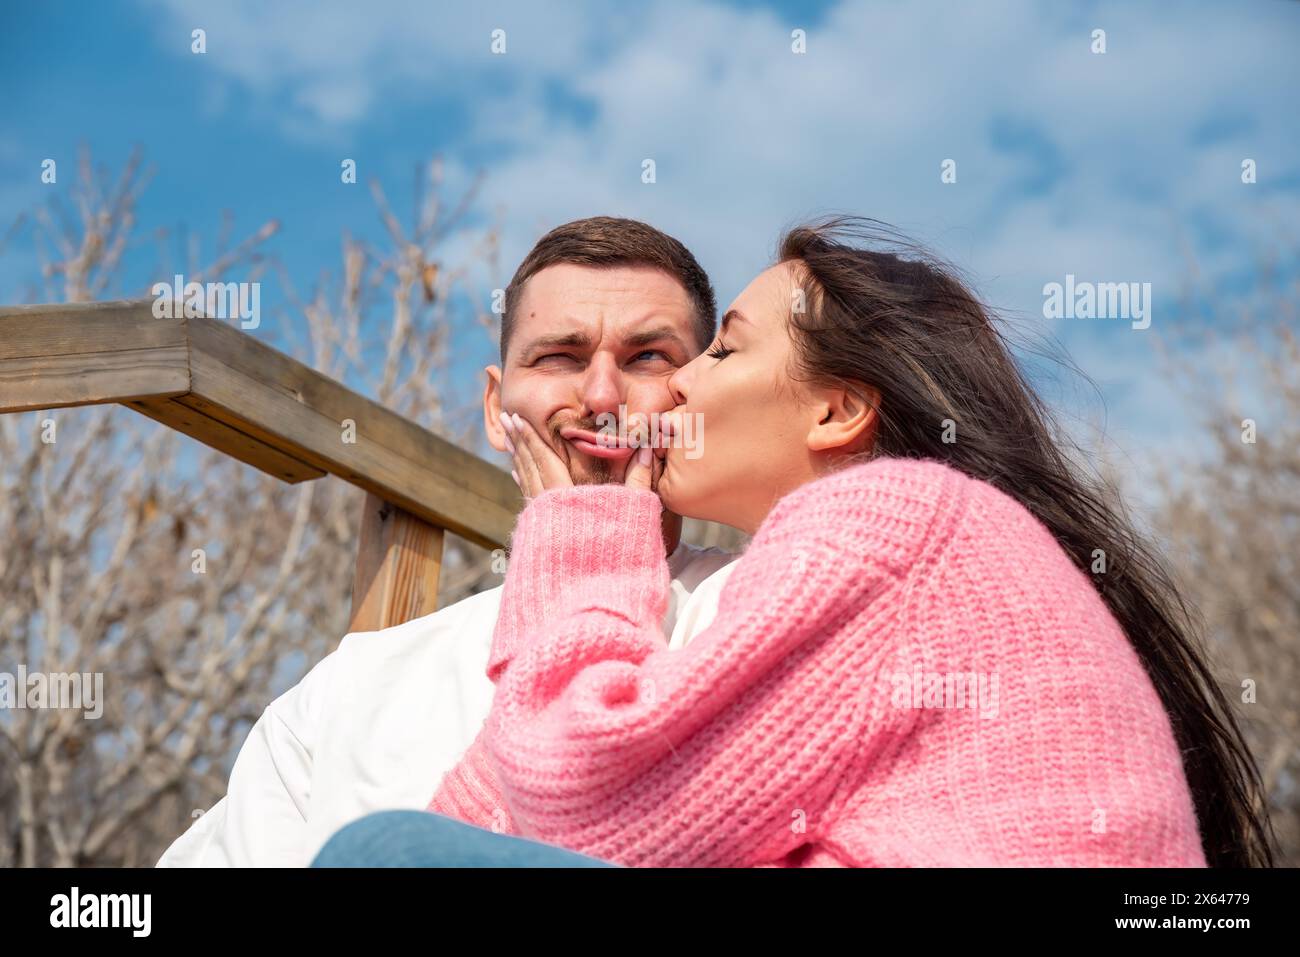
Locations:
(733, 314)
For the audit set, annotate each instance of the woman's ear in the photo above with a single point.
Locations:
(847, 419)
(492, 409)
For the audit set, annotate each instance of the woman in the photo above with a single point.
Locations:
(940, 648)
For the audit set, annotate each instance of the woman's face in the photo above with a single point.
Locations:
(757, 434)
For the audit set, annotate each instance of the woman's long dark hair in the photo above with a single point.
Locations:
(896, 318)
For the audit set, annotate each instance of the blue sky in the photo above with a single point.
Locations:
(1117, 167)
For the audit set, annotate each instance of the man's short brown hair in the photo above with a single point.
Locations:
(608, 241)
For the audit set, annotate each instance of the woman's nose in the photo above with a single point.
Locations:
(679, 383)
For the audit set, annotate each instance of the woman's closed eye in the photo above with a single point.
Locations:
(719, 351)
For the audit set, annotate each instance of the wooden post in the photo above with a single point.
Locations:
(399, 557)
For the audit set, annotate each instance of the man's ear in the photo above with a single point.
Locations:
(846, 419)
(492, 409)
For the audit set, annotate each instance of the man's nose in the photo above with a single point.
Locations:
(603, 388)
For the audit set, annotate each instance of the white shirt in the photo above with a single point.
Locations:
(378, 722)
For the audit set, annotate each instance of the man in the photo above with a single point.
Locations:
(597, 317)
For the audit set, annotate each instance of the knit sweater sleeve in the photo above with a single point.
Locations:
(733, 751)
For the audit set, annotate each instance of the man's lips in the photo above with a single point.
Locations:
(595, 444)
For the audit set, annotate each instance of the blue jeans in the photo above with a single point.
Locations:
(425, 839)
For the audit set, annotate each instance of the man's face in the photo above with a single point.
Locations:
(585, 341)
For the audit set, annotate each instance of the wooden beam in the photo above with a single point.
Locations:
(222, 437)
(87, 354)
(233, 392)
(283, 403)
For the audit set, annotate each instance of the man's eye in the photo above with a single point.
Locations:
(653, 352)
(553, 355)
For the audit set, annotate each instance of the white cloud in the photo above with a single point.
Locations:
(748, 136)
(339, 59)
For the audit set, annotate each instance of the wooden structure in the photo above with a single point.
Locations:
(232, 392)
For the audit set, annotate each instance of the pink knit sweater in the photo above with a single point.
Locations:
(905, 669)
